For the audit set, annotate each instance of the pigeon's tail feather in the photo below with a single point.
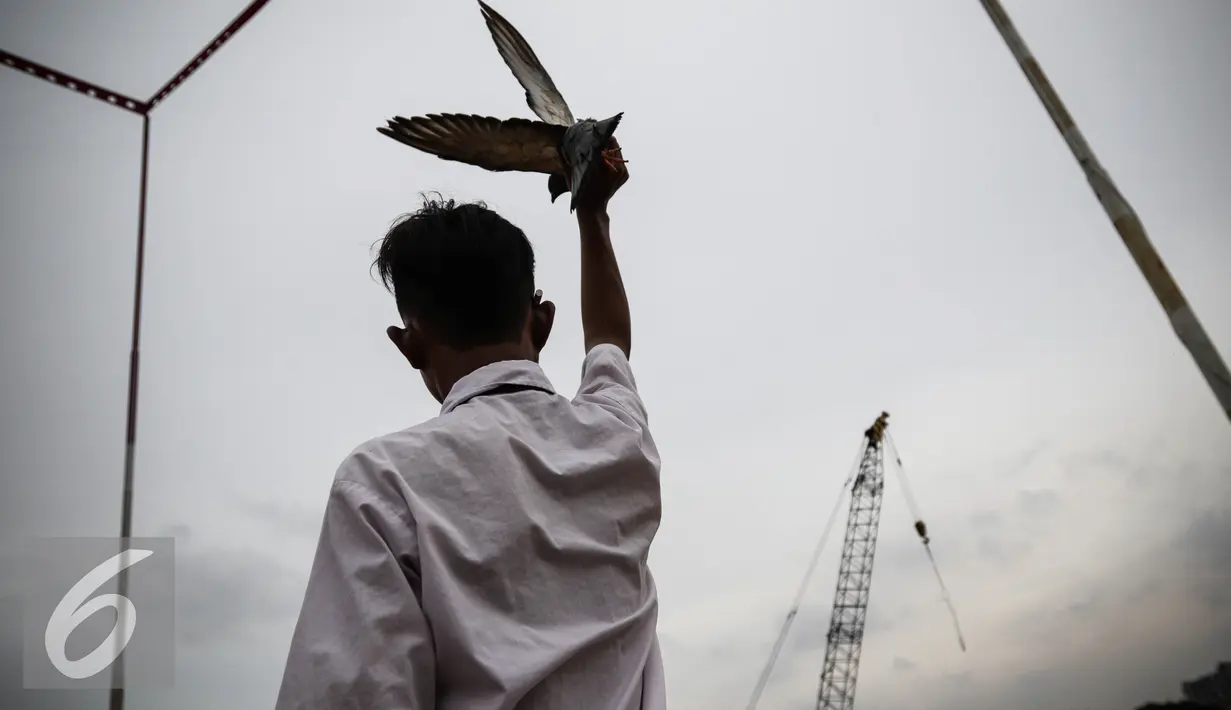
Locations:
(607, 126)
(583, 147)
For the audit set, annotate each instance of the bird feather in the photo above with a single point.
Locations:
(490, 143)
(541, 93)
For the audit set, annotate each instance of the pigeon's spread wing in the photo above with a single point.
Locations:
(541, 92)
(513, 144)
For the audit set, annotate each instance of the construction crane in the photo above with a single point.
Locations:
(844, 640)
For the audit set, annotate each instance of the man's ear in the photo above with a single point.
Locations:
(409, 342)
(542, 317)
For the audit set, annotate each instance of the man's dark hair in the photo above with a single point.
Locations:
(465, 273)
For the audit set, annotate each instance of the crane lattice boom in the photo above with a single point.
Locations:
(850, 604)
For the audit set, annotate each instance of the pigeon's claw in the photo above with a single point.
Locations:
(613, 158)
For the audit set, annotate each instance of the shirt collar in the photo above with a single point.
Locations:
(498, 374)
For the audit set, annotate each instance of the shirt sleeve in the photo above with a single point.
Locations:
(607, 380)
(362, 640)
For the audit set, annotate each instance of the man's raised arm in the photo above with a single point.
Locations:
(604, 305)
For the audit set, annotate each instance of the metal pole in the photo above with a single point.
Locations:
(134, 365)
(1122, 215)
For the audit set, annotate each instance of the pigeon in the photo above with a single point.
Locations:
(558, 145)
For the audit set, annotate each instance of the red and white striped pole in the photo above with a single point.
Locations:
(1122, 216)
(143, 109)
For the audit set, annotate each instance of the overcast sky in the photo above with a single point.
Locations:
(835, 209)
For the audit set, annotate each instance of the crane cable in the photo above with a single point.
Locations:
(803, 587)
(922, 530)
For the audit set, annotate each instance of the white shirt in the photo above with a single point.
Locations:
(491, 558)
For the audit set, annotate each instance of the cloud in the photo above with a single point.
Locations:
(1020, 465)
(985, 520)
(1207, 541)
(225, 596)
(285, 520)
(1038, 503)
(1205, 550)
(1095, 464)
(1002, 550)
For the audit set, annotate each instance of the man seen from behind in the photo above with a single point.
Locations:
(494, 557)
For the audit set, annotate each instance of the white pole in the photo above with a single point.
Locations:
(1126, 222)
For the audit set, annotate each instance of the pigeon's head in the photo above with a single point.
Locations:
(557, 185)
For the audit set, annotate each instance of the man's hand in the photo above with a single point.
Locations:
(608, 177)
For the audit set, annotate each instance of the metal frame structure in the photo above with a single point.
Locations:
(844, 641)
(142, 109)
